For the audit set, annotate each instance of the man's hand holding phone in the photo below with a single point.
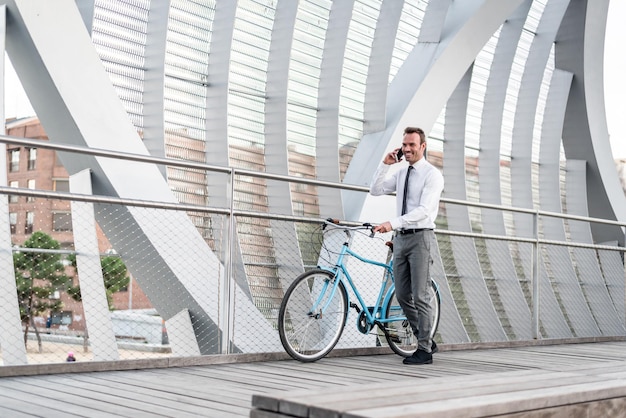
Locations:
(399, 154)
(393, 157)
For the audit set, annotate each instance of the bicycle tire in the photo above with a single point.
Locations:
(307, 337)
(400, 336)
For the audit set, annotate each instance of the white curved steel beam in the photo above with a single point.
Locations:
(489, 174)
(286, 245)
(184, 272)
(423, 85)
(580, 50)
(561, 269)
(472, 280)
(327, 122)
(552, 319)
(374, 114)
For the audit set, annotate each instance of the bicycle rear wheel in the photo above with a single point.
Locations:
(400, 336)
(312, 316)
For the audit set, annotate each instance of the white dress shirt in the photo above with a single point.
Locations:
(425, 188)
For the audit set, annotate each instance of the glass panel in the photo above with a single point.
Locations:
(14, 159)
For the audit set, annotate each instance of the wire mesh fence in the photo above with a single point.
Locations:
(110, 279)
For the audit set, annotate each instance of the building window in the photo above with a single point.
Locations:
(298, 208)
(14, 158)
(31, 186)
(13, 222)
(30, 220)
(61, 221)
(32, 158)
(61, 185)
(61, 318)
(14, 198)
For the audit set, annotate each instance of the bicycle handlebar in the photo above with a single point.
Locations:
(337, 222)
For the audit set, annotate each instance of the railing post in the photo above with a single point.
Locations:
(535, 273)
(228, 297)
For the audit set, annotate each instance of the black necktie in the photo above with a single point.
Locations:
(406, 188)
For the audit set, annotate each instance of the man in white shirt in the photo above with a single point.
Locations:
(419, 187)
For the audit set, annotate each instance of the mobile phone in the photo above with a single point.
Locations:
(399, 154)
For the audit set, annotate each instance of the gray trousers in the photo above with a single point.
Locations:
(411, 270)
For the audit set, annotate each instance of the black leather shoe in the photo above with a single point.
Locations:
(433, 349)
(419, 357)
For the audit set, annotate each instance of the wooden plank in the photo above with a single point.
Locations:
(497, 404)
(260, 382)
(110, 395)
(330, 403)
(595, 368)
(256, 413)
(186, 378)
(15, 409)
(319, 373)
(222, 388)
(189, 401)
(54, 401)
(321, 402)
(292, 401)
(209, 389)
(443, 393)
(279, 375)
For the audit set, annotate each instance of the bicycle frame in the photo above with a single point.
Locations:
(308, 333)
(341, 273)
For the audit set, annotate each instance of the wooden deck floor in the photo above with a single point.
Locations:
(226, 390)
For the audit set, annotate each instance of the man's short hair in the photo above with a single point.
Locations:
(419, 131)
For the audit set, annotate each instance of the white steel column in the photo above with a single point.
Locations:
(11, 336)
(89, 267)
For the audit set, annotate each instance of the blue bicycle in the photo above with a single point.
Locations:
(314, 309)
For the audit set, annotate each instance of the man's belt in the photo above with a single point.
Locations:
(412, 231)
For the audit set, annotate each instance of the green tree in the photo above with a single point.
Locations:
(114, 274)
(115, 277)
(39, 273)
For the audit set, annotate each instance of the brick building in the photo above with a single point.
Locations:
(41, 169)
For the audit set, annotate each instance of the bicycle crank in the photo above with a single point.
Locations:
(362, 325)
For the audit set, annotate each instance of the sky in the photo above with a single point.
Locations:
(17, 105)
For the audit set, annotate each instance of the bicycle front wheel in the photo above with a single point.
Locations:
(400, 336)
(312, 315)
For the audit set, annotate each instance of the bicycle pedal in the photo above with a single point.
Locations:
(355, 306)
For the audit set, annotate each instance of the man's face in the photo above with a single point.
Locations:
(412, 149)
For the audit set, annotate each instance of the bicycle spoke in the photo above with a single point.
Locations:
(304, 335)
(400, 335)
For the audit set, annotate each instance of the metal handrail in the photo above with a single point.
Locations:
(242, 172)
